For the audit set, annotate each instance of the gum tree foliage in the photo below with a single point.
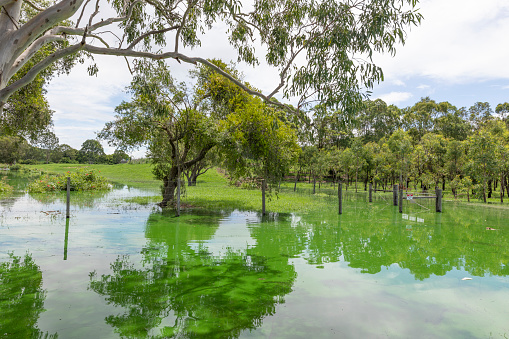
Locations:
(321, 50)
(180, 126)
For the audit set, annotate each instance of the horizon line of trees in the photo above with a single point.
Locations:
(15, 149)
(426, 145)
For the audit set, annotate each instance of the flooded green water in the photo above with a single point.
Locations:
(120, 270)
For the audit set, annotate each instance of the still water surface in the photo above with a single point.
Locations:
(124, 270)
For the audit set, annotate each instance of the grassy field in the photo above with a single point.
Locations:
(211, 192)
(139, 175)
(214, 192)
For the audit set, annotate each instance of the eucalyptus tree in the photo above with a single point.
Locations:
(453, 125)
(479, 113)
(400, 145)
(502, 110)
(455, 159)
(435, 148)
(321, 49)
(482, 155)
(377, 120)
(420, 118)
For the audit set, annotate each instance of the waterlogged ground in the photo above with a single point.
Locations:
(117, 269)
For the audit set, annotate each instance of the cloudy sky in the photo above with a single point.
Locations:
(459, 54)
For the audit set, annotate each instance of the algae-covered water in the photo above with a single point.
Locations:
(125, 270)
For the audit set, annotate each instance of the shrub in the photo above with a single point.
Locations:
(4, 187)
(15, 167)
(81, 180)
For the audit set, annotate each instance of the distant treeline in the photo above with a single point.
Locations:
(17, 150)
(427, 145)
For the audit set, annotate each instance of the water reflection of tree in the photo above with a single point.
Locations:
(425, 249)
(87, 199)
(21, 298)
(182, 282)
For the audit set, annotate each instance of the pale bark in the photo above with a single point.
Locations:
(20, 43)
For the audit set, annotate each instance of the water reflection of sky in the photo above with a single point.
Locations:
(331, 296)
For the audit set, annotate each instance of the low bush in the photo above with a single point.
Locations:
(4, 187)
(81, 180)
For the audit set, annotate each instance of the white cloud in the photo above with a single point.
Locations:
(423, 87)
(394, 98)
(458, 41)
(398, 82)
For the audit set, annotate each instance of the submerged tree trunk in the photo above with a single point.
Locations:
(169, 186)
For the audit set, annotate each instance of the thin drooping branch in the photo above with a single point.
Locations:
(186, 59)
(182, 24)
(32, 73)
(81, 14)
(94, 14)
(143, 36)
(31, 4)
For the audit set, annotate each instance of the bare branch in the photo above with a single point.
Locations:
(186, 59)
(31, 4)
(94, 14)
(6, 92)
(182, 24)
(81, 15)
(143, 36)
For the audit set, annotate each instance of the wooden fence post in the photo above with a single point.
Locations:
(395, 194)
(66, 240)
(263, 196)
(400, 201)
(340, 197)
(178, 197)
(439, 200)
(370, 192)
(68, 206)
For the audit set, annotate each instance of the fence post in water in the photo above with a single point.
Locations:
(400, 201)
(263, 196)
(370, 192)
(340, 197)
(178, 197)
(395, 195)
(68, 210)
(66, 240)
(439, 199)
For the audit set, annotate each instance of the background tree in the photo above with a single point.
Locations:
(90, 151)
(479, 114)
(48, 141)
(482, 155)
(12, 149)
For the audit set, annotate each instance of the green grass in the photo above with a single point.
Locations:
(214, 192)
(139, 175)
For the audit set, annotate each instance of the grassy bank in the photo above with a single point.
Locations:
(138, 175)
(214, 192)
